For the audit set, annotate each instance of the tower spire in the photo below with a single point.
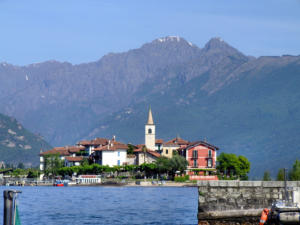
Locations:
(150, 118)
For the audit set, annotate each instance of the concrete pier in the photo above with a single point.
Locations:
(240, 202)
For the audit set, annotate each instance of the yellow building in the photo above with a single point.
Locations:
(173, 145)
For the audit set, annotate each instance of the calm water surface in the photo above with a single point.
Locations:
(106, 205)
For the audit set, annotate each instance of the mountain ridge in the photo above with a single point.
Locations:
(17, 144)
(186, 84)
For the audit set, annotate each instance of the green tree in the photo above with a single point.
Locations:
(52, 164)
(280, 175)
(85, 162)
(163, 165)
(295, 172)
(130, 149)
(33, 173)
(177, 163)
(150, 169)
(20, 165)
(267, 176)
(233, 166)
(243, 167)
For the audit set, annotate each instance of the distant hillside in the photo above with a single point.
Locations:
(251, 109)
(67, 99)
(17, 144)
(242, 104)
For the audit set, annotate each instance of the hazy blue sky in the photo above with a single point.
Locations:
(84, 30)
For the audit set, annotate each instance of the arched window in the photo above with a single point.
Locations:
(149, 131)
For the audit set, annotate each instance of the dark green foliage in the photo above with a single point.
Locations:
(29, 173)
(163, 165)
(33, 173)
(267, 176)
(280, 175)
(181, 178)
(150, 169)
(130, 149)
(295, 172)
(231, 165)
(20, 166)
(96, 169)
(178, 163)
(52, 164)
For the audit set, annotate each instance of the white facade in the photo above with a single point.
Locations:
(147, 159)
(150, 132)
(150, 136)
(88, 179)
(114, 157)
(41, 162)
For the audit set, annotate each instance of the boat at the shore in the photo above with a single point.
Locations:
(61, 183)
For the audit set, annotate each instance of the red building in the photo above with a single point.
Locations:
(202, 158)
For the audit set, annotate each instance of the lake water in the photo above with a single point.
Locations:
(106, 205)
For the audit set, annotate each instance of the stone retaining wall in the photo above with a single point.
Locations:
(240, 202)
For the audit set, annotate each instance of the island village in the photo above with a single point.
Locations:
(201, 156)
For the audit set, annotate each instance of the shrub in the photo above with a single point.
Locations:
(182, 179)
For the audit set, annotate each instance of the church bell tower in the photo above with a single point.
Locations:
(150, 132)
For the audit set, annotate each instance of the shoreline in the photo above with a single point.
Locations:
(129, 184)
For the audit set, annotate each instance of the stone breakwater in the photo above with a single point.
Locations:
(240, 202)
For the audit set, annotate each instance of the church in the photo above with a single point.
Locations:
(200, 155)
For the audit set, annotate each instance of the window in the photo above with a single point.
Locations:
(209, 163)
(195, 154)
(195, 163)
(119, 163)
(149, 131)
(167, 151)
(118, 153)
(209, 153)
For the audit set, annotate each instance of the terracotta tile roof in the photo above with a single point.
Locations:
(84, 142)
(177, 141)
(140, 145)
(159, 141)
(58, 150)
(74, 159)
(154, 153)
(100, 141)
(95, 142)
(195, 143)
(63, 151)
(113, 146)
(74, 149)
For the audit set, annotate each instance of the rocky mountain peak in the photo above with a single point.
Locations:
(217, 46)
(216, 43)
(172, 40)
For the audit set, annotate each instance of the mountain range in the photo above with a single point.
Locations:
(242, 104)
(17, 144)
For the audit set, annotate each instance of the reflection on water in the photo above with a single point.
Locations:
(106, 205)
